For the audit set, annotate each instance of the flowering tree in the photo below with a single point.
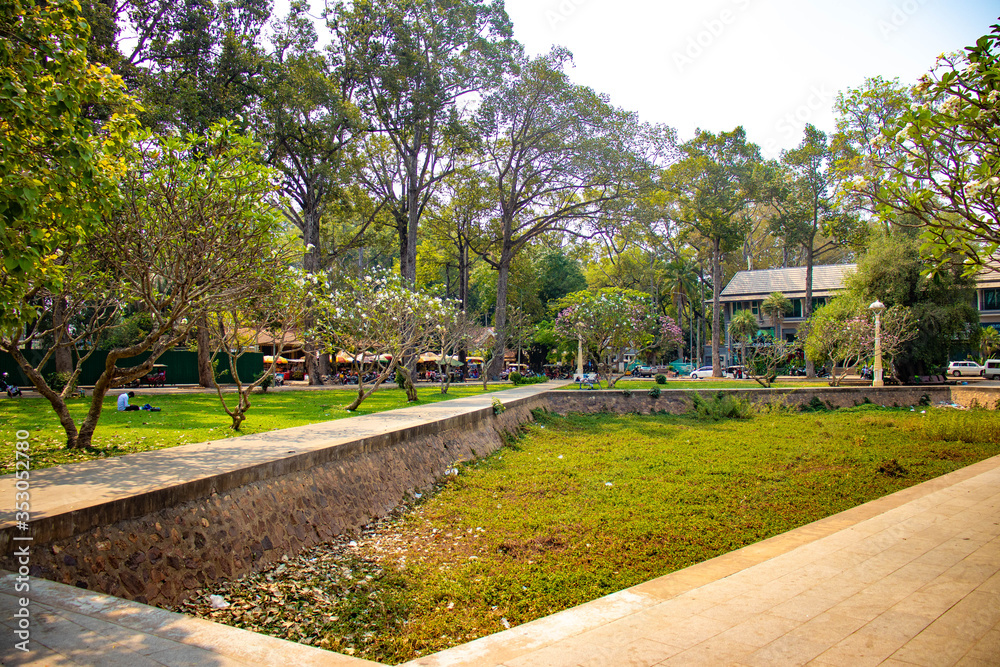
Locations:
(377, 320)
(448, 331)
(943, 168)
(276, 307)
(194, 228)
(611, 321)
(845, 340)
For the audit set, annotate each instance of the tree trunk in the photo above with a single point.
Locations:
(716, 288)
(60, 321)
(807, 306)
(500, 317)
(206, 376)
(54, 398)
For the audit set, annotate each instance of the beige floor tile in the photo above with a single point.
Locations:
(685, 632)
(639, 653)
(803, 607)
(971, 618)
(741, 607)
(875, 641)
(759, 630)
(711, 653)
(567, 653)
(933, 649)
(828, 628)
(986, 650)
(788, 651)
(37, 656)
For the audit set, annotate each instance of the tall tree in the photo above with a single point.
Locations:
(712, 188)
(415, 61)
(805, 200)
(58, 168)
(557, 156)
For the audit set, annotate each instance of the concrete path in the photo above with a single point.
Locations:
(909, 579)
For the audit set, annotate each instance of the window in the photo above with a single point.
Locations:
(991, 299)
(818, 302)
(796, 308)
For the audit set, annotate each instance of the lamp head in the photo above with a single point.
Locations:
(877, 307)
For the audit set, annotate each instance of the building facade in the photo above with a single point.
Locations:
(748, 289)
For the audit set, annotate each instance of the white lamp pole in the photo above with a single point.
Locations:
(579, 357)
(877, 308)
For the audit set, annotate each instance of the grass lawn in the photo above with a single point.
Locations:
(187, 418)
(640, 385)
(583, 506)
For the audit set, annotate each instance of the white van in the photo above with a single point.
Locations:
(992, 371)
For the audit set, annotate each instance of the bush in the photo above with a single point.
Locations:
(626, 392)
(57, 381)
(535, 379)
(498, 406)
(722, 406)
(400, 379)
(661, 379)
(268, 380)
(654, 392)
(515, 377)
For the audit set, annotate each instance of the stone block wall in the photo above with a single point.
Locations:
(676, 401)
(163, 556)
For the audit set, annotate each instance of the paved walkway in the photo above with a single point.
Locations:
(909, 579)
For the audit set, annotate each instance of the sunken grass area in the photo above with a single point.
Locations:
(188, 418)
(647, 384)
(582, 506)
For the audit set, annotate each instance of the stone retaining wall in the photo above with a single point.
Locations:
(676, 401)
(246, 520)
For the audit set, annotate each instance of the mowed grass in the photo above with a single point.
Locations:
(187, 418)
(583, 506)
(645, 385)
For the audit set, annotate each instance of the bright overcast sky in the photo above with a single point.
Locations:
(769, 65)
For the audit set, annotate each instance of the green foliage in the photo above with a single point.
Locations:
(58, 169)
(266, 378)
(57, 381)
(945, 160)
(400, 379)
(721, 406)
(498, 406)
(515, 377)
(654, 392)
(130, 331)
(661, 378)
(892, 271)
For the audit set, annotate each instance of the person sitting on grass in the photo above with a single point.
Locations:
(123, 405)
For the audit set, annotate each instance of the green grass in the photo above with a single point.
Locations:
(704, 384)
(185, 419)
(583, 506)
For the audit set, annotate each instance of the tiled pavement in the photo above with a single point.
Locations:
(910, 579)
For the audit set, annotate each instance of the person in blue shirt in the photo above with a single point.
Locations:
(123, 405)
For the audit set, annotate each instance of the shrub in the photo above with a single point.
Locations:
(400, 379)
(515, 377)
(722, 406)
(654, 392)
(814, 405)
(57, 381)
(626, 392)
(268, 380)
(536, 379)
(661, 379)
(498, 406)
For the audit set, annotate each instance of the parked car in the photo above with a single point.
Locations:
(992, 371)
(960, 368)
(703, 372)
(643, 371)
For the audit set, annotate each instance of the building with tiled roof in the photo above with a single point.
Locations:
(748, 289)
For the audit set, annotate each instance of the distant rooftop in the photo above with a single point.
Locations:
(751, 285)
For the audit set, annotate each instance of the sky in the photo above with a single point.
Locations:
(769, 65)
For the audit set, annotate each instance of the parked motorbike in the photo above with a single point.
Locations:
(11, 389)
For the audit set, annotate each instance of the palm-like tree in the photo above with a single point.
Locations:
(743, 327)
(989, 342)
(776, 306)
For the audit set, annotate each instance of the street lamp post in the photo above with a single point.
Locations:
(579, 358)
(877, 308)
